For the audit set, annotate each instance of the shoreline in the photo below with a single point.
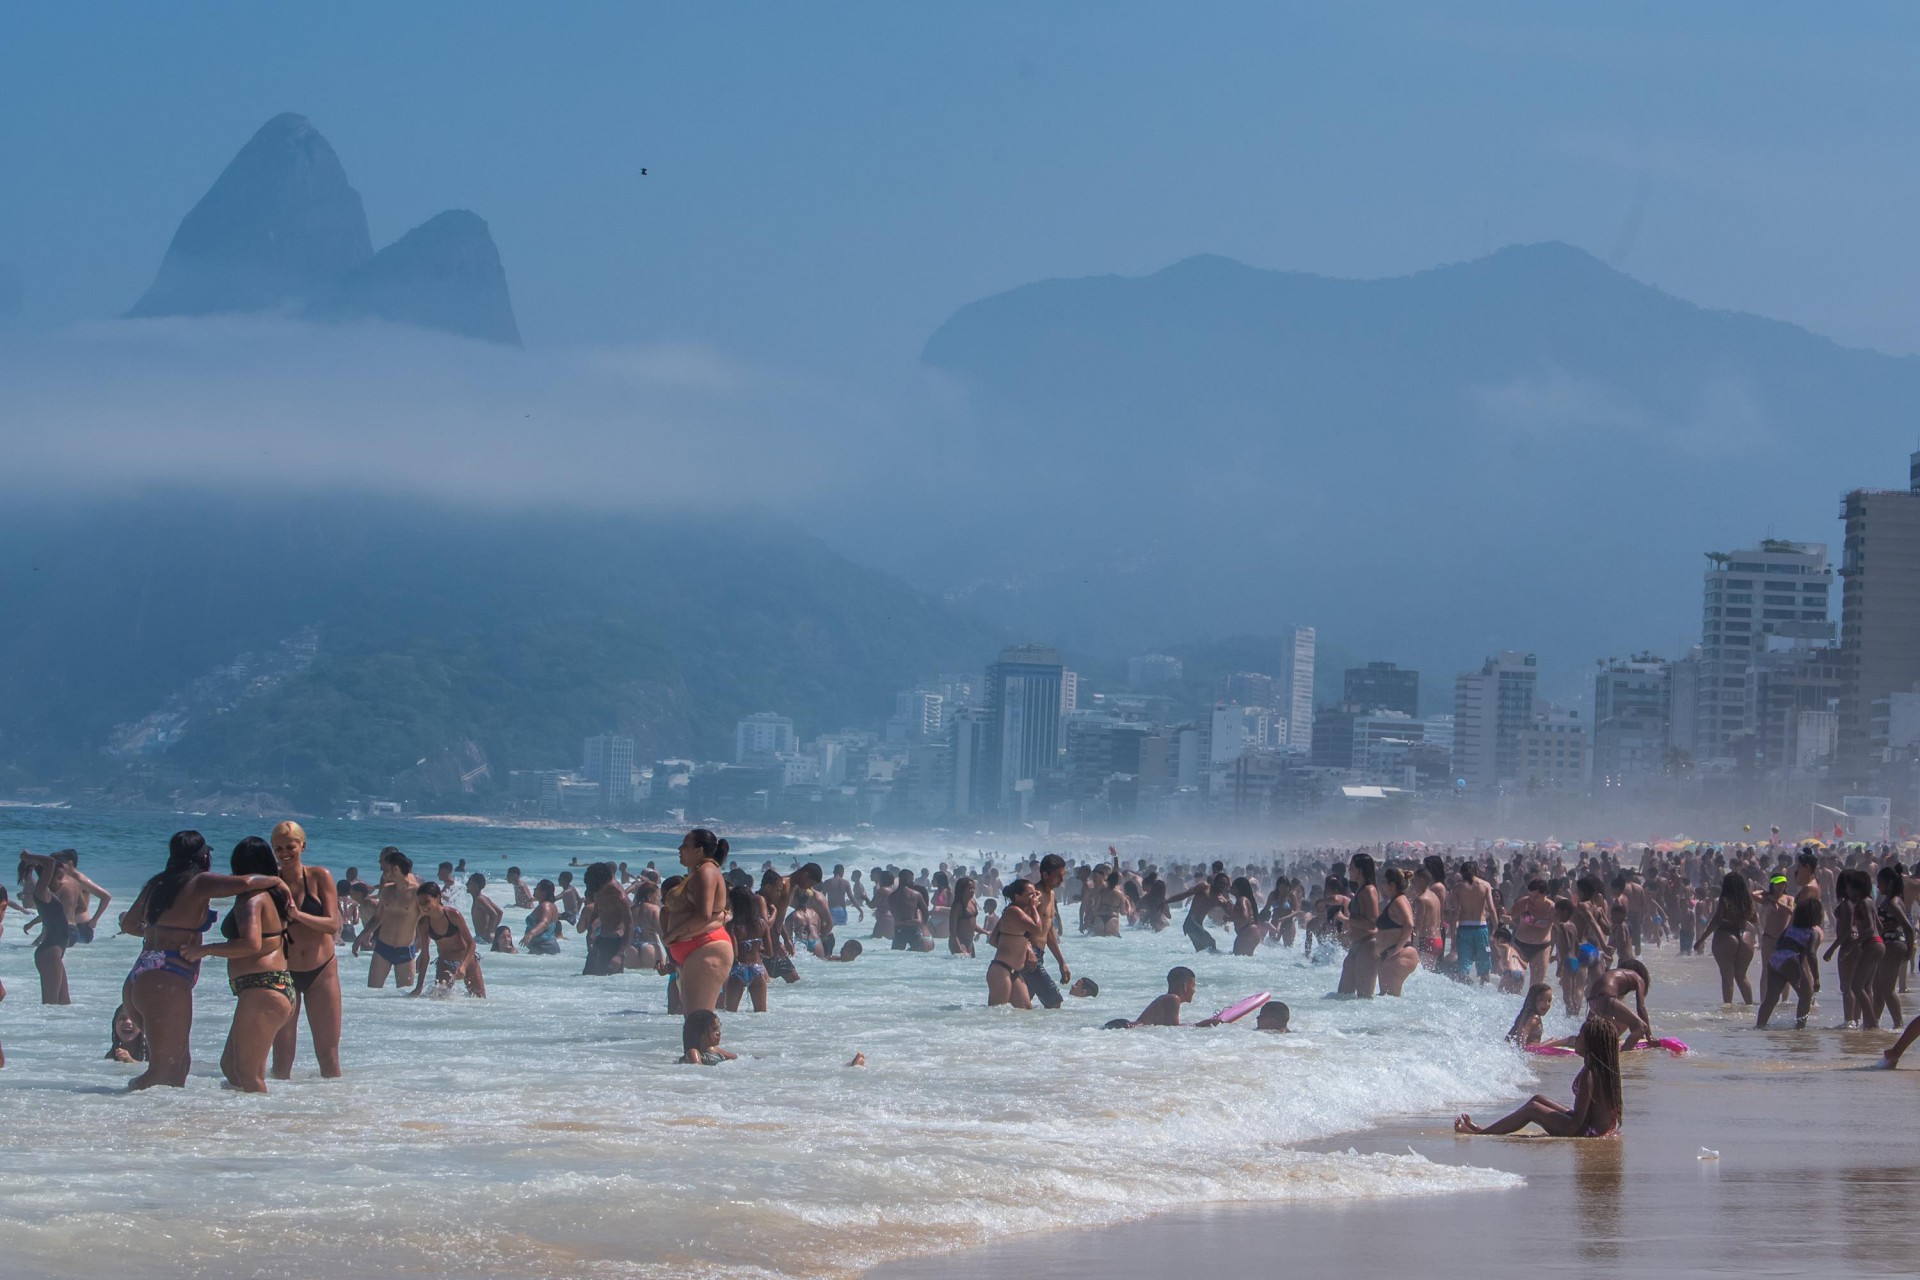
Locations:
(1798, 1120)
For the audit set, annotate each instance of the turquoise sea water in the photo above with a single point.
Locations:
(545, 1132)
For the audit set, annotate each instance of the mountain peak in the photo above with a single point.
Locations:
(281, 228)
(444, 274)
(279, 221)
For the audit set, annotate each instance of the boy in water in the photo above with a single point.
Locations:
(1165, 1009)
(1274, 1016)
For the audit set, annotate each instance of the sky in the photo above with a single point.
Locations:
(826, 183)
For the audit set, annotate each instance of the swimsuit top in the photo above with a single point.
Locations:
(230, 929)
(546, 928)
(452, 929)
(1891, 924)
(1386, 920)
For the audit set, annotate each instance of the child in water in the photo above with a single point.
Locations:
(1273, 1016)
(700, 1040)
(1165, 1009)
(1528, 1028)
(849, 952)
(1507, 963)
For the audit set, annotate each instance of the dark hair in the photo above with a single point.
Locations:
(1093, 988)
(1468, 871)
(1808, 859)
(1014, 887)
(187, 857)
(566, 877)
(431, 889)
(254, 857)
(1179, 973)
(1634, 966)
(744, 904)
(394, 858)
(645, 890)
(1365, 868)
(711, 846)
(543, 892)
(599, 876)
(512, 871)
(851, 948)
(1736, 899)
(1052, 862)
(1891, 881)
(476, 876)
(136, 1048)
(699, 1024)
(1526, 1007)
(1600, 1045)
(1281, 1014)
(811, 873)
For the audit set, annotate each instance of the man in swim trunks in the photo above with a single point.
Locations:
(1478, 910)
(776, 891)
(909, 908)
(1053, 873)
(396, 919)
(807, 896)
(612, 920)
(839, 896)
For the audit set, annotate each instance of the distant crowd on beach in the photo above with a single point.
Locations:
(1536, 921)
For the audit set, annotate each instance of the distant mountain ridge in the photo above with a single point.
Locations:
(1528, 450)
(281, 228)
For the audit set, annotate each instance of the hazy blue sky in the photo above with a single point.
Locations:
(828, 182)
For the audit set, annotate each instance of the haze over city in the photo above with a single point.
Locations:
(1086, 328)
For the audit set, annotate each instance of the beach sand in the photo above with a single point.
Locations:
(1817, 1172)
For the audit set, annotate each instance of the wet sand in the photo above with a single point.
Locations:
(1817, 1172)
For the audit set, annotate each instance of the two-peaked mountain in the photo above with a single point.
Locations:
(282, 229)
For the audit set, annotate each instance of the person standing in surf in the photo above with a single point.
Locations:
(313, 932)
(170, 914)
(694, 919)
(256, 954)
(396, 917)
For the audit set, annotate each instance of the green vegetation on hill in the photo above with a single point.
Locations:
(448, 639)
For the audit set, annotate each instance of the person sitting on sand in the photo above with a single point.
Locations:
(1527, 1029)
(1597, 1105)
(700, 1040)
(1273, 1016)
(1164, 1011)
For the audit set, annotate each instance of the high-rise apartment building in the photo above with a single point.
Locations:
(1492, 709)
(1252, 689)
(1879, 608)
(1153, 671)
(1382, 686)
(1632, 721)
(1024, 722)
(762, 736)
(607, 759)
(1299, 692)
(1774, 595)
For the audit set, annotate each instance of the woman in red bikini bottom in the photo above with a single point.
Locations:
(694, 922)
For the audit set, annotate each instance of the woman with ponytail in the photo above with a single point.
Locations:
(170, 914)
(694, 917)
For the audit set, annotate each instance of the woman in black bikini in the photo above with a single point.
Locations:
(1249, 929)
(1361, 970)
(1398, 956)
(170, 914)
(1017, 938)
(1896, 930)
(963, 918)
(256, 954)
(1728, 930)
(447, 932)
(313, 932)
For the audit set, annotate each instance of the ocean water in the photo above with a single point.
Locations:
(546, 1131)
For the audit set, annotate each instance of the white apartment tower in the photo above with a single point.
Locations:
(1770, 597)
